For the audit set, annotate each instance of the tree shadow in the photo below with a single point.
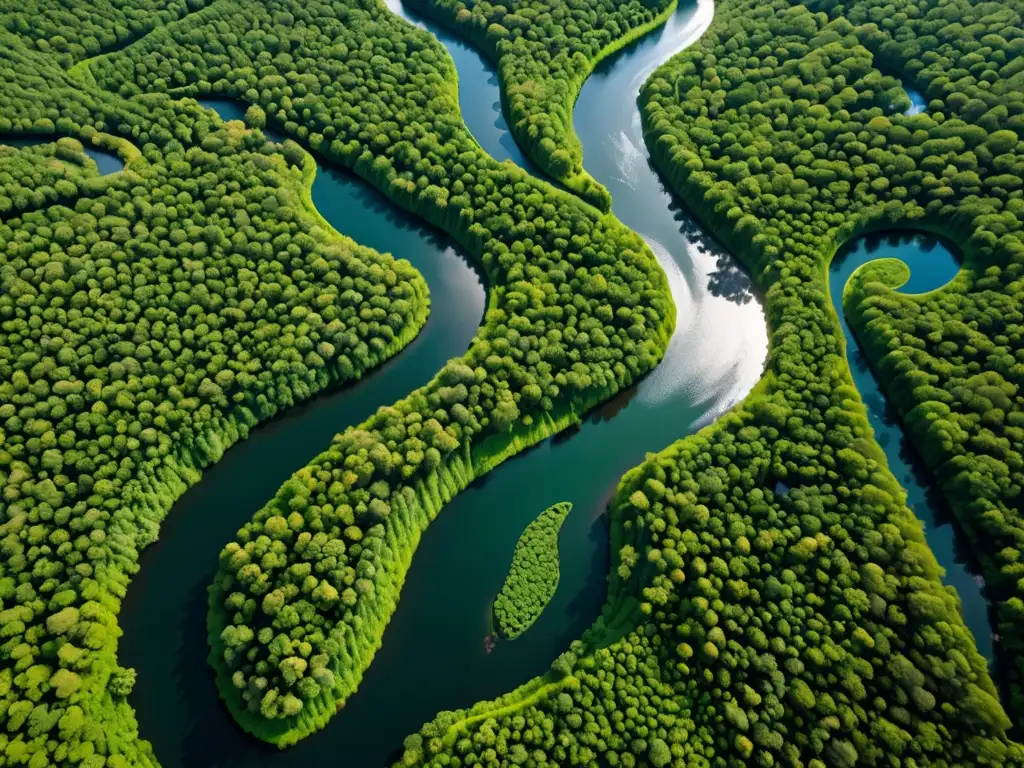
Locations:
(213, 737)
(585, 606)
(728, 280)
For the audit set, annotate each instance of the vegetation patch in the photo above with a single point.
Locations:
(544, 51)
(149, 320)
(811, 627)
(533, 576)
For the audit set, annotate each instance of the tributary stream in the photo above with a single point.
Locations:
(932, 265)
(433, 655)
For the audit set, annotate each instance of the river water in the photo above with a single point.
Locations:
(433, 655)
(932, 265)
(917, 101)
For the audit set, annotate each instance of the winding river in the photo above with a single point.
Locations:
(433, 656)
(932, 265)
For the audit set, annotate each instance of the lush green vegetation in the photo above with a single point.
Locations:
(68, 34)
(533, 576)
(544, 50)
(34, 177)
(952, 361)
(578, 310)
(149, 319)
(809, 627)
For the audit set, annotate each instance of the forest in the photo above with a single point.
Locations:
(544, 51)
(771, 598)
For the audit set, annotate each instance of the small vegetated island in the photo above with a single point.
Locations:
(533, 576)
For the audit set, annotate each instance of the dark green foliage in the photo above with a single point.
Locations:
(579, 309)
(533, 576)
(149, 323)
(37, 176)
(544, 50)
(69, 34)
(199, 296)
(952, 361)
(835, 167)
(148, 320)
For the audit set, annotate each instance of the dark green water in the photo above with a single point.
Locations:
(107, 162)
(433, 655)
(932, 265)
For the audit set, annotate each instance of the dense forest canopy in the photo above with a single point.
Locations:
(795, 165)
(149, 321)
(579, 309)
(771, 599)
(791, 611)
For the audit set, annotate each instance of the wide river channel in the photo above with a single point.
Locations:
(433, 654)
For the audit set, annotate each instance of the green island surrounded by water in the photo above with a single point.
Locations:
(533, 575)
(307, 308)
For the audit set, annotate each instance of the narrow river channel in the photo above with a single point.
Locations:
(932, 265)
(106, 161)
(433, 655)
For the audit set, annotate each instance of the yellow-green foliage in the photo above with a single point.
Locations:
(533, 576)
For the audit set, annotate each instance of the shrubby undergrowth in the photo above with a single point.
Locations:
(533, 576)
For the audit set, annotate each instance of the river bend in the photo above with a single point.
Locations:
(433, 656)
(932, 265)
